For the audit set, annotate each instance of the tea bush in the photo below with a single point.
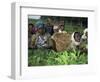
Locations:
(42, 57)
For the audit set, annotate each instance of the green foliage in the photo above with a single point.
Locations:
(73, 28)
(42, 57)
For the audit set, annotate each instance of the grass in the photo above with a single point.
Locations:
(44, 57)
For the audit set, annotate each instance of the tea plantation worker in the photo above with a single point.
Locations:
(30, 33)
(84, 43)
(75, 40)
(41, 39)
(85, 37)
(56, 28)
(49, 26)
(61, 25)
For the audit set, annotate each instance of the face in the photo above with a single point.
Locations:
(41, 31)
(85, 35)
(30, 27)
(77, 36)
(62, 27)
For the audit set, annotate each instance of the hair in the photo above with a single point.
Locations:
(31, 24)
(77, 33)
(73, 38)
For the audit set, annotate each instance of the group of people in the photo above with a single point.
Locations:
(39, 34)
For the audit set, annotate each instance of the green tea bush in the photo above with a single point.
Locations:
(42, 57)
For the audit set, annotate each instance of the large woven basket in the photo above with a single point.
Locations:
(61, 41)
